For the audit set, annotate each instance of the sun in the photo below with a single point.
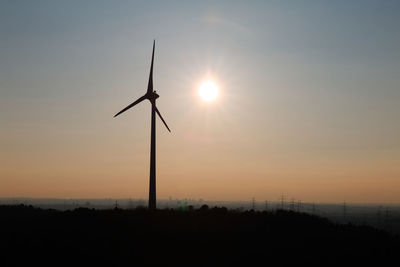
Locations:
(208, 91)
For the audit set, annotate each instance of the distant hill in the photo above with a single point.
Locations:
(195, 237)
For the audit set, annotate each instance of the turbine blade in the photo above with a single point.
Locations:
(150, 85)
(131, 105)
(159, 114)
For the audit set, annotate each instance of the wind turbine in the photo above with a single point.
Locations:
(151, 95)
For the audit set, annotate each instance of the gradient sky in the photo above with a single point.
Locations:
(309, 104)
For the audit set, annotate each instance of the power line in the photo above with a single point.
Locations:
(282, 202)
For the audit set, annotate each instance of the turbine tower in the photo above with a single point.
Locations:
(150, 95)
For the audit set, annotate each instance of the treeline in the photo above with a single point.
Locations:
(193, 237)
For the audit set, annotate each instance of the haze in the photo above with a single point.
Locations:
(308, 103)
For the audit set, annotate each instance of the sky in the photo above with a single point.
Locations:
(308, 104)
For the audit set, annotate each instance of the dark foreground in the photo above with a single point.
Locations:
(204, 237)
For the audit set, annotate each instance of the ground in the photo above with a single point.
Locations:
(196, 237)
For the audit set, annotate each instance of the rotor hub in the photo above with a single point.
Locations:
(153, 95)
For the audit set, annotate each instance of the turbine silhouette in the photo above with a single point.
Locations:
(151, 95)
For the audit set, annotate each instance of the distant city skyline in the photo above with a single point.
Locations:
(308, 102)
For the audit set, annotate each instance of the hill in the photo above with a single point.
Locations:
(197, 237)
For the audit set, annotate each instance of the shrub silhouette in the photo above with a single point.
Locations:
(204, 236)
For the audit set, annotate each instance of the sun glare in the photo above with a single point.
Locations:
(208, 91)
